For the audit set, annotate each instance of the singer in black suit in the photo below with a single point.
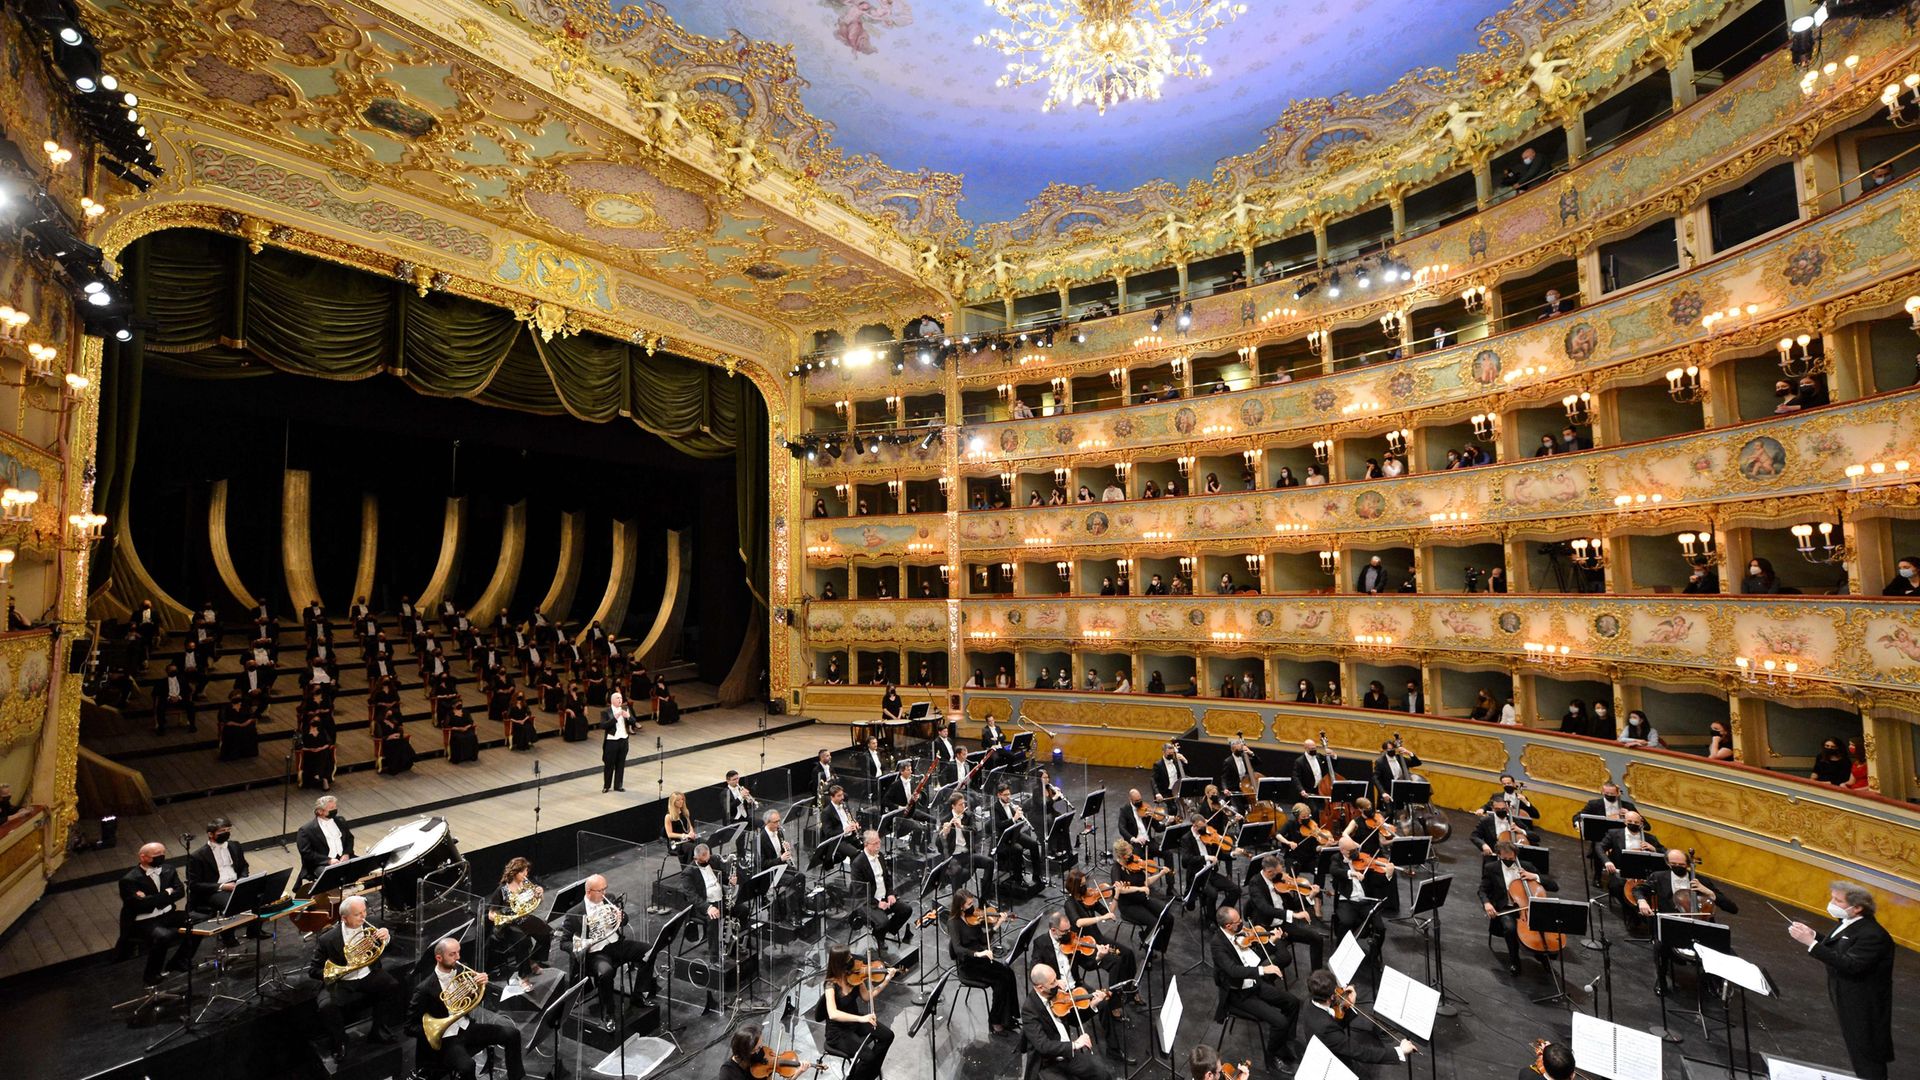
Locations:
(617, 729)
(1859, 957)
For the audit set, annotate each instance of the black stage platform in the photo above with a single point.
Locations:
(62, 1024)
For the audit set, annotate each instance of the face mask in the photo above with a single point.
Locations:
(1508, 788)
(221, 838)
(1783, 391)
(1507, 862)
(1836, 911)
(1906, 571)
(1753, 571)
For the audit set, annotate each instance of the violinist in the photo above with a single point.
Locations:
(1353, 1039)
(1091, 910)
(1062, 1048)
(955, 840)
(1247, 972)
(1358, 889)
(1073, 956)
(1024, 842)
(1395, 762)
(1679, 890)
(883, 911)
(1312, 766)
(1499, 825)
(1169, 772)
(744, 1053)
(1632, 835)
(1551, 1060)
(1220, 813)
(1140, 822)
(853, 1031)
(970, 943)
(1203, 1063)
(1197, 853)
(1516, 794)
(1283, 902)
(1133, 878)
(1302, 836)
(1496, 897)
(1368, 828)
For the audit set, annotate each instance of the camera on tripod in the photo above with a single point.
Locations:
(1474, 576)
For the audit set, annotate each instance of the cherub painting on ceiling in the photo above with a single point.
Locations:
(856, 15)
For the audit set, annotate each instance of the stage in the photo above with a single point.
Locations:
(1491, 1037)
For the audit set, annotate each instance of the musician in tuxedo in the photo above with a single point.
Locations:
(737, 802)
(371, 985)
(1022, 842)
(596, 932)
(254, 683)
(1632, 835)
(1089, 914)
(1057, 1043)
(839, 820)
(212, 870)
(1609, 803)
(1289, 913)
(1196, 855)
(1677, 890)
(1859, 955)
(1311, 766)
(875, 900)
(770, 848)
(823, 777)
(463, 1040)
(901, 793)
(945, 755)
(1497, 876)
(1075, 968)
(324, 839)
(146, 623)
(955, 840)
(173, 691)
(149, 915)
(1498, 825)
(1248, 979)
(1395, 762)
(1134, 825)
(873, 771)
(1355, 1041)
(1237, 771)
(1356, 894)
(1169, 772)
(616, 734)
(1516, 799)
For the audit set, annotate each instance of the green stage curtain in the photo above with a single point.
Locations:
(218, 311)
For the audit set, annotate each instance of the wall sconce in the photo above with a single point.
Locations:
(87, 527)
(1250, 460)
(1390, 324)
(1475, 298)
(1060, 384)
(11, 320)
(1397, 440)
(1271, 314)
(1322, 450)
(1316, 338)
(1542, 653)
(1449, 517)
(1006, 481)
(1291, 526)
(6, 566)
(1122, 470)
(41, 358)
(1590, 553)
(57, 155)
(1006, 571)
(1684, 385)
(1797, 356)
(1006, 391)
(1186, 566)
(1624, 503)
(1149, 339)
(946, 572)
(840, 492)
(1579, 408)
(1531, 371)
(1184, 464)
(1123, 567)
(76, 385)
(893, 404)
(1913, 312)
(946, 485)
(1060, 478)
(1486, 427)
(1373, 641)
(1785, 673)
(1697, 548)
(1878, 472)
(1329, 562)
(1826, 552)
(1064, 569)
(1115, 375)
(1036, 541)
(840, 408)
(1833, 73)
(893, 489)
(16, 505)
(1179, 366)
(1254, 562)
(1890, 97)
(1711, 322)
(1097, 635)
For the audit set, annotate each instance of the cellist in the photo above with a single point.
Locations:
(1680, 890)
(1496, 896)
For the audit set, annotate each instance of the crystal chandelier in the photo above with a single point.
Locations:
(1102, 52)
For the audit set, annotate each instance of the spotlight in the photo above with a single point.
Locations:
(926, 357)
(108, 82)
(84, 84)
(1333, 284)
(1079, 337)
(1363, 279)
(124, 334)
(1186, 316)
(99, 299)
(926, 441)
(1159, 317)
(1306, 288)
(873, 445)
(93, 287)
(70, 35)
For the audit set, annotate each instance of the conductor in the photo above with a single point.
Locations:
(1859, 958)
(615, 728)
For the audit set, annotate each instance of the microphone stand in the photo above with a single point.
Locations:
(660, 759)
(537, 785)
(286, 793)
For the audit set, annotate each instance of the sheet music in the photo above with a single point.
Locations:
(1318, 1063)
(1615, 1052)
(1346, 959)
(1170, 1015)
(1782, 1069)
(1407, 1004)
(1736, 970)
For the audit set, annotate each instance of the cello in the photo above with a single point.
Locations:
(1522, 892)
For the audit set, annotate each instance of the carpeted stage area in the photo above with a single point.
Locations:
(1491, 1037)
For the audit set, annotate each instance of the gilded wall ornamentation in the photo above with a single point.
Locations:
(549, 271)
(25, 683)
(1568, 768)
(1224, 723)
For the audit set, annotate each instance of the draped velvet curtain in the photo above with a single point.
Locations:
(211, 309)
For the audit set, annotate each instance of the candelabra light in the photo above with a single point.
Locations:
(1123, 568)
(1640, 501)
(1006, 481)
(1685, 386)
(1475, 298)
(16, 505)
(1797, 356)
(40, 359)
(1825, 551)
(1059, 384)
(1531, 371)
(1250, 460)
(88, 527)
(1064, 569)
(1390, 324)
(1290, 526)
(1186, 566)
(1006, 571)
(1037, 541)
(1185, 465)
(840, 407)
(946, 572)
(1114, 375)
(1897, 109)
(1878, 473)
(946, 485)
(1315, 338)
(1579, 408)
(1589, 553)
(1122, 471)
(1373, 641)
(1322, 450)
(6, 566)
(12, 319)
(893, 489)
(1329, 562)
(840, 492)
(1831, 73)
(1486, 427)
(1397, 440)
(1253, 563)
(1768, 670)
(1913, 312)
(1155, 536)
(1697, 548)
(1716, 323)
(1539, 652)
(1359, 408)
(1097, 635)
(1228, 637)
(57, 155)
(1272, 314)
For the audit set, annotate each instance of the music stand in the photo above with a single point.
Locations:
(1567, 917)
(1410, 851)
(569, 897)
(1059, 838)
(1254, 835)
(1278, 790)
(1430, 895)
(1534, 857)
(348, 872)
(999, 846)
(1411, 793)
(1638, 865)
(726, 835)
(930, 1011)
(931, 884)
(555, 1014)
(1091, 807)
(1022, 747)
(1017, 951)
(1348, 791)
(1194, 787)
(1675, 932)
(823, 852)
(1593, 829)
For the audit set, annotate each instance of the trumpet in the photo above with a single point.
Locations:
(363, 952)
(460, 997)
(747, 798)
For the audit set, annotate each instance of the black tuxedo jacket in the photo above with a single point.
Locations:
(1598, 808)
(1493, 885)
(1487, 830)
(766, 850)
(1132, 827)
(160, 694)
(1003, 818)
(1658, 890)
(1860, 983)
(1163, 779)
(138, 898)
(1235, 771)
(863, 877)
(1037, 1029)
(311, 843)
(1616, 841)
(203, 875)
(1229, 971)
(1353, 1048)
(330, 945)
(1383, 772)
(1303, 773)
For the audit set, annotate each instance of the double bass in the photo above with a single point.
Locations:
(1419, 819)
(1524, 890)
(1333, 815)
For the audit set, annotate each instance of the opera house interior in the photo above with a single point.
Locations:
(881, 442)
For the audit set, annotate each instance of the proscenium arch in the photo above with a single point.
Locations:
(209, 210)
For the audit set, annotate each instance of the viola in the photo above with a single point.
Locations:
(1065, 1000)
(978, 915)
(1255, 935)
(1137, 865)
(765, 1064)
(1078, 944)
(1095, 894)
(929, 916)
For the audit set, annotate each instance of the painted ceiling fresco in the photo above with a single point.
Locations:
(903, 80)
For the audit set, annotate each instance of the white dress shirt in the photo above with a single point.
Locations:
(153, 875)
(331, 831)
(712, 877)
(880, 890)
(348, 937)
(223, 858)
(1247, 957)
(460, 1025)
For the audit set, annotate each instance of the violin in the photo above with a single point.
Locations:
(1540, 1056)
(1376, 864)
(1150, 812)
(929, 916)
(764, 1063)
(1255, 935)
(1284, 882)
(1377, 822)
(1343, 1001)
(1138, 865)
(1078, 944)
(1066, 1001)
(978, 915)
(1208, 837)
(870, 973)
(1095, 894)
(1230, 1071)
